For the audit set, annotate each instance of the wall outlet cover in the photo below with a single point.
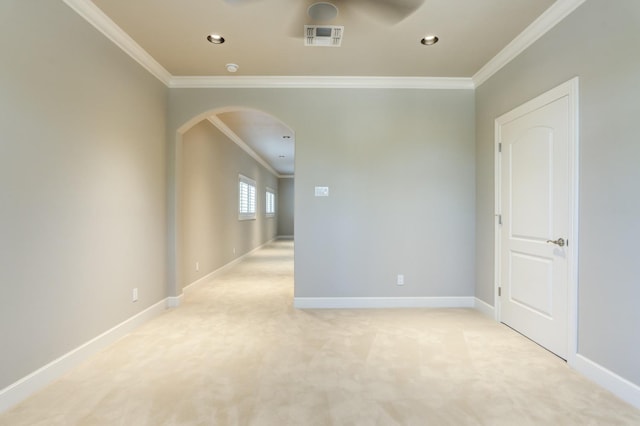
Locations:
(322, 191)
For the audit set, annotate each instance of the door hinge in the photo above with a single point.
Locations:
(499, 291)
(499, 216)
(500, 147)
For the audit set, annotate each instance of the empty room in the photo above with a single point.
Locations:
(256, 212)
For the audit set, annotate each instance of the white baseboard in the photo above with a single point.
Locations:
(224, 268)
(619, 386)
(382, 302)
(174, 301)
(484, 308)
(28, 385)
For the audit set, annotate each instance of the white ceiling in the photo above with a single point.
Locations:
(262, 38)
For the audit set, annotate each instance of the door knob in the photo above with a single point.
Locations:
(559, 241)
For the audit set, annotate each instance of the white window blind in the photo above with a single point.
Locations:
(246, 198)
(270, 202)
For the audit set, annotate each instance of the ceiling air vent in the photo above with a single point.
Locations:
(323, 35)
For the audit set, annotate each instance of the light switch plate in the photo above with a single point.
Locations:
(322, 191)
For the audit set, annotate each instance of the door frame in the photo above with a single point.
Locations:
(568, 89)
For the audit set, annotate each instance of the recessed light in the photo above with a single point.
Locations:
(215, 38)
(429, 40)
(232, 67)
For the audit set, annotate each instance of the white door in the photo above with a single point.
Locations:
(535, 208)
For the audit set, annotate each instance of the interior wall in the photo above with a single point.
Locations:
(83, 184)
(400, 168)
(212, 234)
(598, 43)
(285, 209)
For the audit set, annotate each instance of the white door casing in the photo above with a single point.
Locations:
(536, 206)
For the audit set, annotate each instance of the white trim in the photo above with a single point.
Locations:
(322, 82)
(250, 184)
(545, 22)
(174, 301)
(484, 308)
(381, 302)
(28, 385)
(219, 124)
(619, 386)
(574, 207)
(214, 274)
(96, 17)
(569, 89)
(269, 214)
(224, 268)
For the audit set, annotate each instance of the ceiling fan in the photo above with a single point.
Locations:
(390, 12)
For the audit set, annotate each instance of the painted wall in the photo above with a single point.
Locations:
(400, 168)
(82, 184)
(212, 234)
(598, 43)
(286, 202)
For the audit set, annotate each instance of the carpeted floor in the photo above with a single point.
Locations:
(237, 353)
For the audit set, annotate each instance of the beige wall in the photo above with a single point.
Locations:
(286, 202)
(82, 184)
(599, 44)
(212, 234)
(400, 167)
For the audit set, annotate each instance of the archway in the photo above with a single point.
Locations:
(219, 144)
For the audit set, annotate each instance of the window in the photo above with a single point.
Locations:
(246, 198)
(270, 203)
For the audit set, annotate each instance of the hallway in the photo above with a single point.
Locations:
(237, 353)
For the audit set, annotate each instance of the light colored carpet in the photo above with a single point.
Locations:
(237, 353)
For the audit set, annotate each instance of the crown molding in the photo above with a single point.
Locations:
(96, 17)
(554, 14)
(321, 82)
(219, 124)
(549, 18)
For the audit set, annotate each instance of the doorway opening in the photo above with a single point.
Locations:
(234, 175)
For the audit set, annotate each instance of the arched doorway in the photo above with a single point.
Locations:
(213, 151)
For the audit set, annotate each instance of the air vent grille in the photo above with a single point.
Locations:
(323, 35)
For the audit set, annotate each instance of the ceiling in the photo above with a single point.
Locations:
(265, 38)
(259, 39)
(266, 136)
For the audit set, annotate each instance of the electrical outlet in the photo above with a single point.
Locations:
(197, 266)
(134, 295)
(400, 280)
(234, 250)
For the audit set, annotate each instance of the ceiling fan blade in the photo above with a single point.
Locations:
(299, 21)
(238, 2)
(390, 11)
